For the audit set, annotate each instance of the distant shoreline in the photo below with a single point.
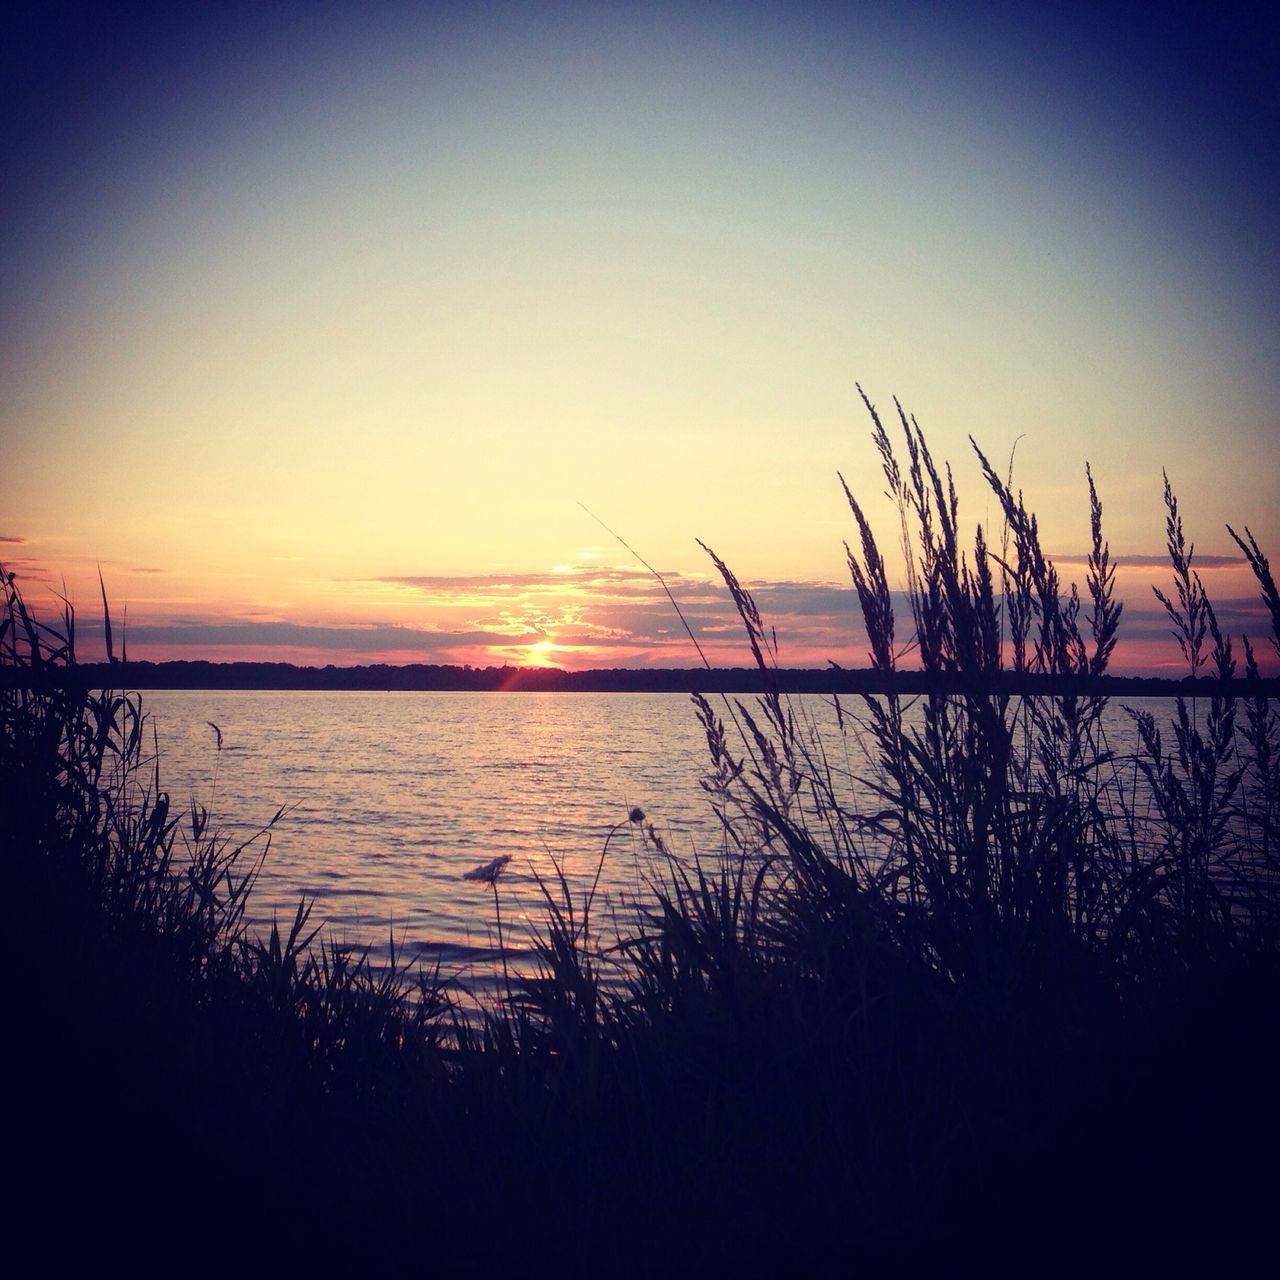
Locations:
(428, 678)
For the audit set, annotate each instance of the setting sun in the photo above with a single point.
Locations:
(539, 655)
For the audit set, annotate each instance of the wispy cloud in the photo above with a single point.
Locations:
(11, 537)
(579, 615)
(585, 615)
(565, 577)
(196, 634)
(1152, 562)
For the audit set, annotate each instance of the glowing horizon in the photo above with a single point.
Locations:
(600, 615)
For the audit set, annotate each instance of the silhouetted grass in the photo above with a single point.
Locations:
(996, 987)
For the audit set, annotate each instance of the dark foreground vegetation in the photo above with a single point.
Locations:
(1000, 992)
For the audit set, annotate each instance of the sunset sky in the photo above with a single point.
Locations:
(320, 325)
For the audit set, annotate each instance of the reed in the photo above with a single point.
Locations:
(1002, 983)
(1002, 946)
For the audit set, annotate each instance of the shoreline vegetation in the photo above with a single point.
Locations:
(991, 991)
(421, 677)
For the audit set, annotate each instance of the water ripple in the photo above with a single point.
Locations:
(392, 796)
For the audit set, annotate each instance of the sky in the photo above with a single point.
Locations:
(359, 333)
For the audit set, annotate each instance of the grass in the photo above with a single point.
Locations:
(997, 988)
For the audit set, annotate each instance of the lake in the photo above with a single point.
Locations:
(392, 797)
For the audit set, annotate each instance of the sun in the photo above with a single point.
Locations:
(539, 655)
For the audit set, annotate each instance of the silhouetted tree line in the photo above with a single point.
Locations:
(423, 676)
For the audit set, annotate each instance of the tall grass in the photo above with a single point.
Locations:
(999, 947)
(995, 982)
(164, 1054)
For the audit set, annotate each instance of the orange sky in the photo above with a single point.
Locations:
(594, 610)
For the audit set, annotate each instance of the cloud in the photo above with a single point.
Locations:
(807, 599)
(587, 612)
(579, 576)
(1150, 626)
(198, 633)
(29, 570)
(622, 602)
(1153, 562)
(814, 621)
(599, 616)
(11, 537)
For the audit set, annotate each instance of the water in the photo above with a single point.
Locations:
(391, 797)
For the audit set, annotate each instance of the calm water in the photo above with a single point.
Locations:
(393, 796)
